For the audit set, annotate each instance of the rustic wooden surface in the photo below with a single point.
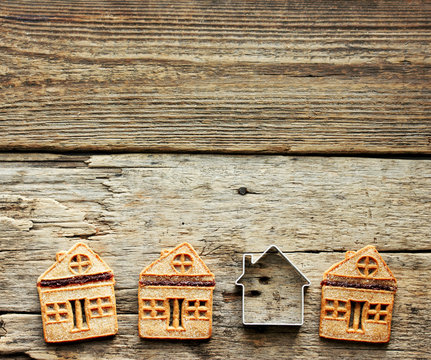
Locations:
(275, 77)
(129, 207)
(245, 76)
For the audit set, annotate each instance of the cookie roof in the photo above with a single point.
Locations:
(67, 264)
(183, 260)
(365, 263)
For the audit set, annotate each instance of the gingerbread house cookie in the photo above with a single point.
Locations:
(175, 296)
(77, 297)
(357, 298)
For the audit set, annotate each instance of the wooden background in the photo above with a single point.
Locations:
(132, 125)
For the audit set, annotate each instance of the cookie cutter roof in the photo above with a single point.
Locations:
(252, 261)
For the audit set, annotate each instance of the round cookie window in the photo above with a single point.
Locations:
(79, 264)
(367, 266)
(182, 263)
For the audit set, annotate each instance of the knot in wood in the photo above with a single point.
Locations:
(242, 190)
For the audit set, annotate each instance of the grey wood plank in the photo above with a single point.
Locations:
(297, 76)
(129, 207)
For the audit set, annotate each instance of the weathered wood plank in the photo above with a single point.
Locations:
(313, 203)
(129, 207)
(298, 76)
(23, 332)
(227, 342)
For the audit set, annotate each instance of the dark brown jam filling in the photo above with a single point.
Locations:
(358, 286)
(77, 280)
(177, 283)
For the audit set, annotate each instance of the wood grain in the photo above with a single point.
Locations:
(129, 207)
(299, 76)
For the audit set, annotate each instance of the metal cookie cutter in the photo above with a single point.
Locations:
(272, 289)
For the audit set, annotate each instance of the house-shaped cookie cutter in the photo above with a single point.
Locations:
(276, 293)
